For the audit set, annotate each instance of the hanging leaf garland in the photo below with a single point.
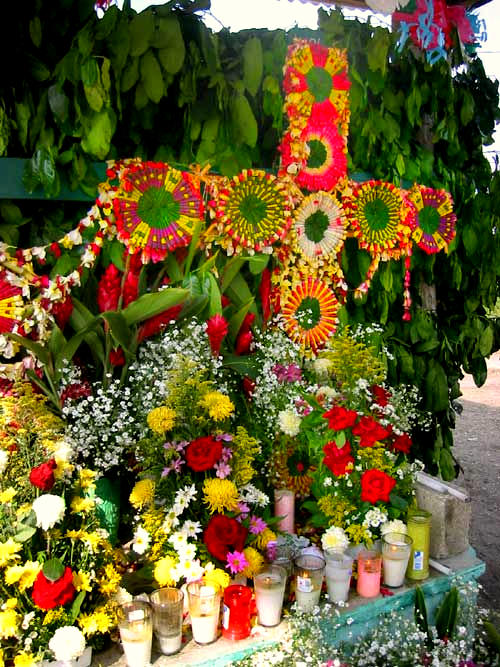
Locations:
(433, 226)
(254, 210)
(310, 313)
(156, 208)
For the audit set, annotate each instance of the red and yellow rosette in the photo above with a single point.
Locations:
(433, 226)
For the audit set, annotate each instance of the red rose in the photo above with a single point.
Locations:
(402, 443)
(369, 431)
(43, 475)
(203, 453)
(376, 485)
(49, 594)
(337, 459)
(380, 395)
(340, 418)
(224, 534)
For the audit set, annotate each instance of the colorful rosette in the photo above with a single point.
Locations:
(254, 210)
(433, 227)
(156, 208)
(292, 470)
(320, 226)
(11, 304)
(310, 313)
(316, 83)
(380, 218)
(319, 156)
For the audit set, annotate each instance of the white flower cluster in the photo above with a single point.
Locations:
(253, 496)
(67, 643)
(49, 510)
(374, 518)
(334, 538)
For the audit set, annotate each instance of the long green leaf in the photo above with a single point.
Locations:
(230, 270)
(193, 246)
(446, 615)
(241, 364)
(173, 268)
(149, 305)
(76, 606)
(82, 319)
(237, 319)
(239, 292)
(40, 352)
(420, 612)
(121, 332)
(215, 306)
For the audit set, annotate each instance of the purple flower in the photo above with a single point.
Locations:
(166, 471)
(227, 454)
(226, 437)
(223, 470)
(236, 561)
(291, 373)
(243, 508)
(272, 550)
(176, 465)
(257, 525)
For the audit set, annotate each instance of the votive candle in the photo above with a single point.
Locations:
(284, 506)
(369, 571)
(419, 529)
(168, 606)
(136, 632)
(204, 609)
(338, 575)
(269, 593)
(396, 548)
(309, 572)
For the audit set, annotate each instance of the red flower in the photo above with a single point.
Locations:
(49, 594)
(337, 459)
(203, 453)
(155, 324)
(247, 323)
(265, 294)
(376, 485)
(369, 431)
(117, 357)
(380, 395)
(61, 310)
(243, 343)
(402, 443)
(75, 391)
(109, 289)
(340, 418)
(43, 475)
(224, 534)
(217, 329)
(248, 386)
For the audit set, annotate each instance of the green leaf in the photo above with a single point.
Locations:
(24, 533)
(470, 240)
(236, 320)
(59, 103)
(39, 351)
(130, 75)
(76, 606)
(173, 269)
(23, 116)
(447, 465)
(245, 366)
(149, 305)
(238, 291)
(257, 263)
(141, 30)
(193, 245)
(436, 388)
(119, 329)
(97, 140)
(467, 108)
(377, 50)
(244, 123)
(231, 268)
(446, 615)
(398, 502)
(172, 49)
(486, 341)
(53, 569)
(253, 65)
(420, 612)
(151, 77)
(215, 306)
(35, 28)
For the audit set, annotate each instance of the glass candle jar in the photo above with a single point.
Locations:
(284, 506)
(204, 609)
(309, 572)
(419, 529)
(396, 549)
(168, 604)
(237, 612)
(369, 571)
(136, 632)
(269, 593)
(338, 573)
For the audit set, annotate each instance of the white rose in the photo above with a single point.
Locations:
(4, 459)
(49, 509)
(334, 538)
(289, 422)
(67, 643)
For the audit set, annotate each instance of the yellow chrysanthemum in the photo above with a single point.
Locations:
(7, 495)
(22, 575)
(163, 571)
(81, 505)
(109, 583)
(263, 538)
(92, 540)
(162, 419)
(11, 603)
(24, 659)
(220, 495)
(8, 551)
(219, 406)
(75, 534)
(255, 562)
(9, 623)
(82, 581)
(86, 478)
(358, 534)
(98, 621)
(143, 493)
(216, 576)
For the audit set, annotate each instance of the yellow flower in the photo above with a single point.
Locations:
(93, 540)
(358, 534)
(86, 478)
(160, 420)
(263, 538)
(219, 406)
(215, 575)
(75, 534)
(22, 575)
(53, 615)
(82, 581)
(255, 562)
(220, 495)
(7, 495)
(109, 583)
(336, 509)
(143, 493)
(163, 571)
(2, 663)
(81, 505)
(24, 659)
(245, 449)
(9, 622)
(8, 551)
(98, 621)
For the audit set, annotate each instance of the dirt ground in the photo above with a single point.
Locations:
(477, 447)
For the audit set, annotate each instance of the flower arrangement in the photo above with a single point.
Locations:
(58, 572)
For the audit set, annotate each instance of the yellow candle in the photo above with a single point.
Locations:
(419, 529)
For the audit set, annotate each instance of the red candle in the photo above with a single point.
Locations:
(237, 612)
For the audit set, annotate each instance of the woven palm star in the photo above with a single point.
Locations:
(293, 469)
(157, 208)
(320, 225)
(433, 227)
(254, 209)
(310, 313)
(316, 82)
(380, 218)
(11, 304)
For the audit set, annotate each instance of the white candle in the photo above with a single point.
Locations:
(205, 628)
(396, 550)
(137, 647)
(269, 590)
(169, 645)
(338, 583)
(307, 601)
